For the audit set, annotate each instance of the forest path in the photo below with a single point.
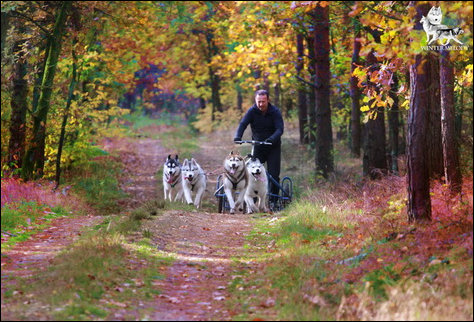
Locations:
(204, 244)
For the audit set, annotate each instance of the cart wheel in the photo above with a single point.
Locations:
(288, 191)
(220, 205)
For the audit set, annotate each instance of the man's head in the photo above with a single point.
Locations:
(261, 100)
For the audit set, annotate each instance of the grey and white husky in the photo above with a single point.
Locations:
(235, 179)
(194, 181)
(437, 31)
(257, 186)
(172, 180)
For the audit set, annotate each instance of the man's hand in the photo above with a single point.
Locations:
(237, 140)
(269, 140)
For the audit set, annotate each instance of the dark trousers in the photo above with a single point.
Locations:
(272, 156)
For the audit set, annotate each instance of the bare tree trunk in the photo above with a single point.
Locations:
(324, 144)
(450, 145)
(435, 146)
(34, 159)
(355, 96)
(5, 27)
(375, 159)
(70, 97)
(19, 105)
(239, 98)
(418, 175)
(302, 103)
(311, 92)
(276, 96)
(393, 126)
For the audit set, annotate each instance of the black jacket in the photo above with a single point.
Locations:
(264, 127)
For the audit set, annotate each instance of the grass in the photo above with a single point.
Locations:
(102, 272)
(97, 182)
(330, 263)
(343, 250)
(23, 219)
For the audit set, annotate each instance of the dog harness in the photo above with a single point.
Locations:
(235, 181)
(195, 179)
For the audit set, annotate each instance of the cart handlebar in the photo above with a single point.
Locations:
(253, 142)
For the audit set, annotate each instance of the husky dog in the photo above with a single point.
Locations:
(257, 186)
(172, 180)
(194, 180)
(235, 179)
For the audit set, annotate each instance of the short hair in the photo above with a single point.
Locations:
(262, 92)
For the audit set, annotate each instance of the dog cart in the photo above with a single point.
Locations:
(275, 202)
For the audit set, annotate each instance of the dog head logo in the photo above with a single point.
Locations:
(437, 31)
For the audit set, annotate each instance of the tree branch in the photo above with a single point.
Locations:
(306, 82)
(21, 15)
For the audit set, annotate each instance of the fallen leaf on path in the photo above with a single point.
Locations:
(268, 303)
(122, 305)
(316, 300)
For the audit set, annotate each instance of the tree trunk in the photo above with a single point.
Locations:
(239, 98)
(375, 159)
(393, 126)
(418, 175)
(5, 27)
(450, 145)
(302, 103)
(19, 105)
(434, 144)
(324, 144)
(34, 159)
(419, 202)
(276, 96)
(70, 97)
(213, 77)
(311, 93)
(355, 95)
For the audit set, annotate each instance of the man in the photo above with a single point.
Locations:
(266, 123)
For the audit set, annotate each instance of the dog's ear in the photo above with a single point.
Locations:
(185, 162)
(176, 157)
(231, 152)
(193, 161)
(249, 155)
(169, 157)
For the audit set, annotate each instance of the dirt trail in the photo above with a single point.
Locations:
(203, 243)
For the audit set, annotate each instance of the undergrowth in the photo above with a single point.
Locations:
(337, 253)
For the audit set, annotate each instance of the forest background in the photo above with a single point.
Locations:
(347, 76)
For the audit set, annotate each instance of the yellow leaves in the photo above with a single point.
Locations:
(389, 101)
(405, 105)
